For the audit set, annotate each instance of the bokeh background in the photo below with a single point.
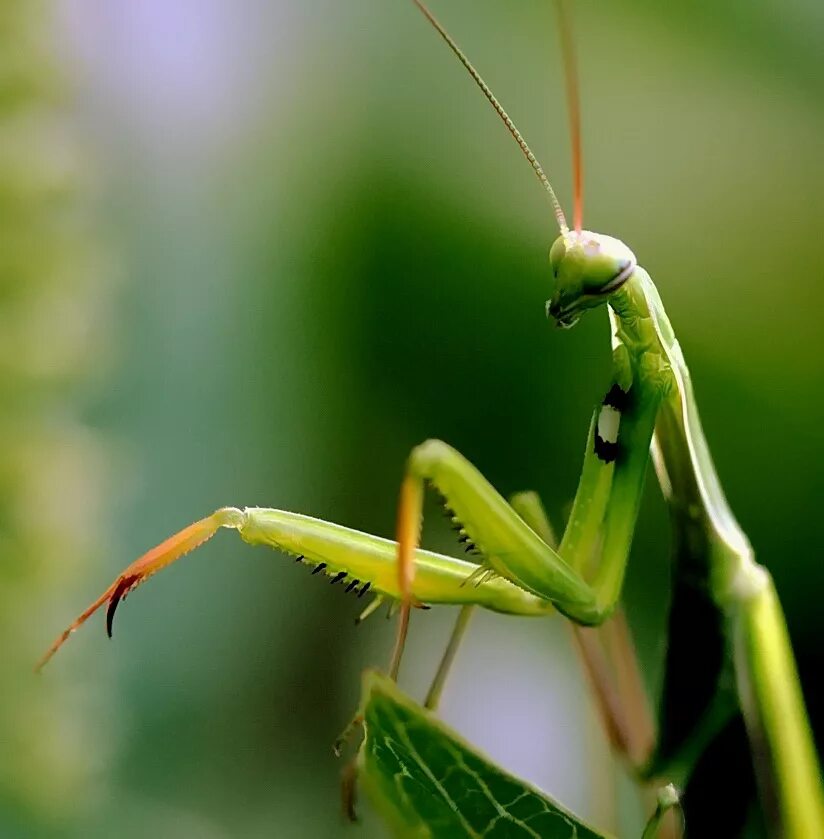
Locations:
(251, 253)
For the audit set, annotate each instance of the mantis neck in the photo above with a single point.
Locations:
(645, 346)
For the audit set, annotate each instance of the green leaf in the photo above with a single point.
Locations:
(427, 782)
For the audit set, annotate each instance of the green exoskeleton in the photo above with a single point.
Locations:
(648, 409)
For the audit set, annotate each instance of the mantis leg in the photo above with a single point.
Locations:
(433, 696)
(528, 576)
(786, 763)
(528, 506)
(609, 658)
(357, 563)
(608, 496)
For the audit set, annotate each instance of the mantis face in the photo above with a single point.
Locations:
(588, 268)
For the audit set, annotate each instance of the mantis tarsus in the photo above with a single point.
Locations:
(648, 406)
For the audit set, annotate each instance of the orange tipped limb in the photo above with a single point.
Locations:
(409, 535)
(141, 569)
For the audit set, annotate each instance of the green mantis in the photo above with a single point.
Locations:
(647, 406)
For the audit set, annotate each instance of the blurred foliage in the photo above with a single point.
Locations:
(331, 251)
(53, 294)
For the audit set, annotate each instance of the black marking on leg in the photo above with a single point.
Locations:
(338, 577)
(299, 558)
(319, 567)
(617, 398)
(606, 451)
(364, 589)
(352, 585)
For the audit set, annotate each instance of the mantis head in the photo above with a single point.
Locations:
(588, 268)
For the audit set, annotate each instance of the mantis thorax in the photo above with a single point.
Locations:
(588, 268)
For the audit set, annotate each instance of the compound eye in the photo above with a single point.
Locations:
(624, 273)
(607, 264)
(609, 269)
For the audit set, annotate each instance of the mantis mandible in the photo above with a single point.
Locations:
(648, 412)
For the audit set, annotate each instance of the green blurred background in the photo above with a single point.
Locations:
(251, 253)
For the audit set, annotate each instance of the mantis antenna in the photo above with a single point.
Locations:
(533, 161)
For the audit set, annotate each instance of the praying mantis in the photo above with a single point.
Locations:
(647, 412)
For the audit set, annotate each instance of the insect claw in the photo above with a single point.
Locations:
(110, 615)
(142, 568)
(121, 590)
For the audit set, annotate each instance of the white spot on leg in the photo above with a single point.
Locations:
(609, 421)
